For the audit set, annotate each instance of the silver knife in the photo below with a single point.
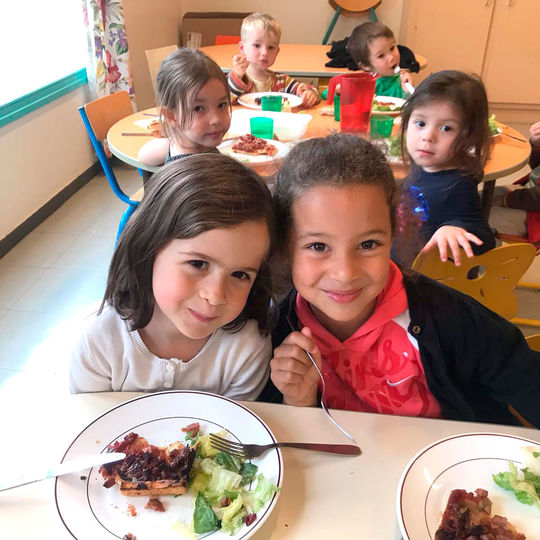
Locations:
(74, 465)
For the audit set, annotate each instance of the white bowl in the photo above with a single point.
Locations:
(287, 126)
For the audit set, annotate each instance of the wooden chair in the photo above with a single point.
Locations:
(489, 278)
(154, 57)
(354, 6)
(226, 40)
(98, 116)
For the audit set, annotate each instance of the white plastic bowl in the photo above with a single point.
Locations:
(287, 126)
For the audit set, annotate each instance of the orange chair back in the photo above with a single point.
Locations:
(226, 40)
(104, 112)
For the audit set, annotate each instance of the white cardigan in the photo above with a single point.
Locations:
(110, 357)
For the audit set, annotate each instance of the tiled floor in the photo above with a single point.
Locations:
(52, 280)
(55, 277)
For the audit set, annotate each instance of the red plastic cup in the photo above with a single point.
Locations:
(356, 101)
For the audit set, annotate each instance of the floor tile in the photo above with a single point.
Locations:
(15, 281)
(106, 224)
(86, 252)
(38, 250)
(64, 292)
(71, 219)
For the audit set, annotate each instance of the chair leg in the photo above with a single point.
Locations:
(124, 219)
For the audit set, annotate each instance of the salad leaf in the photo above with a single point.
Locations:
(205, 448)
(258, 497)
(227, 462)
(204, 518)
(222, 480)
(523, 490)
(493, 127)
(248, 472)
(199, 481)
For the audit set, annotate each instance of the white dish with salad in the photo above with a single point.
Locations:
(89, 510)
(388, 105)
(468, 461)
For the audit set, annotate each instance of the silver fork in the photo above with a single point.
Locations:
(323, 393)
(248, 451)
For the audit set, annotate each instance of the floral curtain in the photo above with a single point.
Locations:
(108, 46)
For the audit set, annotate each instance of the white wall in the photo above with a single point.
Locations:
(40, 154)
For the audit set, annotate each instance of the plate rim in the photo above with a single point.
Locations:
(427, 448)
(279, 144)
(276, 495)
(269, 93)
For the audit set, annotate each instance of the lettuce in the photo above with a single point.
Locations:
(524, 490)
(222, 480)
(258, 497)
(248, 472)
(228, 462)
(204, 518)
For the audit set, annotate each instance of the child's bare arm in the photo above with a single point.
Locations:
(240, 65)
(154, 152)
(292, 371)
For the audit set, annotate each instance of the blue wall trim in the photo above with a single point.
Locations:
(30, 102)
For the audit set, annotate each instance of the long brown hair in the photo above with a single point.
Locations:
(180, 78)
(186, 198)
(466, 93)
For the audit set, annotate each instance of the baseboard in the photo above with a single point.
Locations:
(27, 226)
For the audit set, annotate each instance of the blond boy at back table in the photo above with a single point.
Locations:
(259, 46)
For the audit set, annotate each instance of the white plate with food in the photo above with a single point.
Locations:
(264, 151)
(253, 100)
(89, 510)
(388, 105)
(287, 126)
(468, 462)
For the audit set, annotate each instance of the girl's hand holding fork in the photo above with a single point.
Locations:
(292, 371)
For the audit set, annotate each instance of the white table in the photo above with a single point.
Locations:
(320, 494)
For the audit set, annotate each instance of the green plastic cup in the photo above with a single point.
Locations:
(337, 107)
(380, 126)
(262, 127)
(271, 103)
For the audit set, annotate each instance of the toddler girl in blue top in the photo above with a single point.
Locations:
(446, 134)
(195, 108)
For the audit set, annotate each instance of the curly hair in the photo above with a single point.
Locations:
(340, 160)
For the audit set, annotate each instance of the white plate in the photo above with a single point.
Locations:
(248, 100)
(464, 461)
(90, 511)
(145, 122)
(388, 99)
(226, 148)
(287, 126)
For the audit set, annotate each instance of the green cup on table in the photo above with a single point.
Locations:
(380, 126)
(262, 127)
(271, 103)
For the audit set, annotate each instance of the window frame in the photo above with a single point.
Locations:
(13, 110)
